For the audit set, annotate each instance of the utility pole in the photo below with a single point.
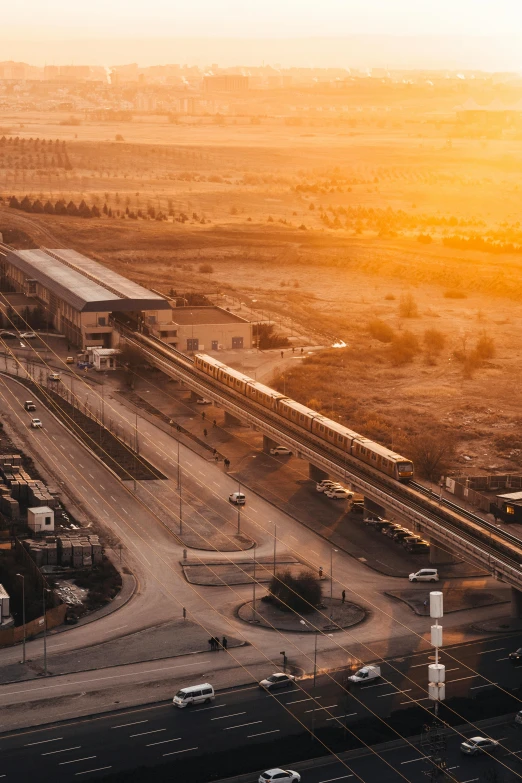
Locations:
(44, 591)
(180, 508)
(275, 545)
(254, 588)
(433, 741)
(22, 577)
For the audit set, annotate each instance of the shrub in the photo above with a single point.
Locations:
(434, 340)
(119, 137)
(404, 348)
(206, 269)
(485, 348)
(381, 331)
(425, 239)
(390, 297)
(408, 307)
(301, 593)
(454, 293)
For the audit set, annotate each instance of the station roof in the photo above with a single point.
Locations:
(83, 283)
(204, 315)
(514, 496)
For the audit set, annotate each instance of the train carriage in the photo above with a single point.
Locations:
(299, 414)
(334, 433)
(263, 395)
(382, 459)
(208, 364)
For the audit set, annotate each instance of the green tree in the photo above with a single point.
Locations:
(301, 593)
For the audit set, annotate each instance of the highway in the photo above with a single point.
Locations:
(258, 726)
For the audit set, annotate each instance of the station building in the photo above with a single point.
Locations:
(81, 297)
(207, 329)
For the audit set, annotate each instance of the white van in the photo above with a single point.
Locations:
(194, 694)
(365, 674)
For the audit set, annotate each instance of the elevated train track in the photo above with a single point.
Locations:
(452, 527)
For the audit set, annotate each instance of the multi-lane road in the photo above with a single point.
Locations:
(255, 725)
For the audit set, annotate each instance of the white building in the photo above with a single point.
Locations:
(40, 519)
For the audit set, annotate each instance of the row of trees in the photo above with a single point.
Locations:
(16, 141)
(59, 208)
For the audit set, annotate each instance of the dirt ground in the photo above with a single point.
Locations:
(323, 228)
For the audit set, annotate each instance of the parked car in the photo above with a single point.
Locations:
(419, 547)
(338, 493)
(365, 674)
(69, 360)
(276, 681)
(478, 745)
(516, 655)
(238, 498)
(372, 519)
(322, 486)
(27, 335)
(203, 401)
(5, 335)
(518, 718)
(401, 534)
(411, 539)
(425, 575)
(357, 507)
(29, 405)
(55, 376)
(382, 524)
(36, 424)
(282, 450)
(278, 775)
(391, 530)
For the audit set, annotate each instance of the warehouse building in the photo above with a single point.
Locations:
(206, 329)
(81, 297)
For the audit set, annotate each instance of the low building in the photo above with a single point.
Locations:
(40, 519)
(103, 358)
(510, 506)
(16, 309)
(5, 610)
(208, 329)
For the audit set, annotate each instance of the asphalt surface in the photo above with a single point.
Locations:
(243, 717)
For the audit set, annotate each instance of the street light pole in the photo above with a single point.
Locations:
(254, 588)
(44, 591)
(22, 577)
(331, 581)
(275, 545)
(180, 507)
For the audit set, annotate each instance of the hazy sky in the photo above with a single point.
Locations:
(261, 18)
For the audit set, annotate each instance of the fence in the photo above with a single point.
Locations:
(470, 488)
(54, 617)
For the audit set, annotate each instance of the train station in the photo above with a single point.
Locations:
(79, 297)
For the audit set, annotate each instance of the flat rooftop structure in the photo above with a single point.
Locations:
(83, 283)
(204, 315)
(513, 496)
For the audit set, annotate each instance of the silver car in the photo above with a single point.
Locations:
(278, 775)
(478, 745)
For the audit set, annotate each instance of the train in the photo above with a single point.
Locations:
(345, 440)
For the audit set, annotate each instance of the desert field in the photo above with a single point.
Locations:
(403, 240)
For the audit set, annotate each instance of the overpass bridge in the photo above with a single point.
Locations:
(447, 526)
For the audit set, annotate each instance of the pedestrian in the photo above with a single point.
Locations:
(211, 643)
(425, 603)
(216, 643)
(216, 458)
(293, 349)
(343, 596)
(225, 643)
(320, 572)
(282, 354)
(203, 415)
(214, 423)
(205, 433)
(302, 351)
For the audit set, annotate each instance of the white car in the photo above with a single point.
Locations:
(425, 575)
(55, 376)
(237, 498)
(36, 424)
(281, 450)
(478, 745)
(324, 485)
(276, 681)
(338, 493)
(28, 335)
(278, 775)
(203, 401)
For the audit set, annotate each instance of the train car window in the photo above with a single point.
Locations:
(321, 428)
(339, 437)
(363, 450)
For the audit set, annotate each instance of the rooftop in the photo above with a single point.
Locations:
(511, 496)
(204, 315)
(83, 283)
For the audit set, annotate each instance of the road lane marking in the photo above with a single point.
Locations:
(142, 734)
(412, 761)
(341, 717)
(330, 780)
(470, 677)
(473, 780)
(113, 498)
(503, 659)
(486, 685)
(80, 464)
(175, 752)
(76, 761)
(102, 487)
(134, 723)
(162, 742)
(63, 750)
(330, 707)
(235, 714)
(262, 734)
(298, 701)
(88, 771)
(416, 666)
(453, 670)
(497, 649)
(412, 700)
(120, 627)
(240, 726)
(100, 679)
(124, 510)
(90, 474)
(215, 707)
(42, 742)
(379, 685)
